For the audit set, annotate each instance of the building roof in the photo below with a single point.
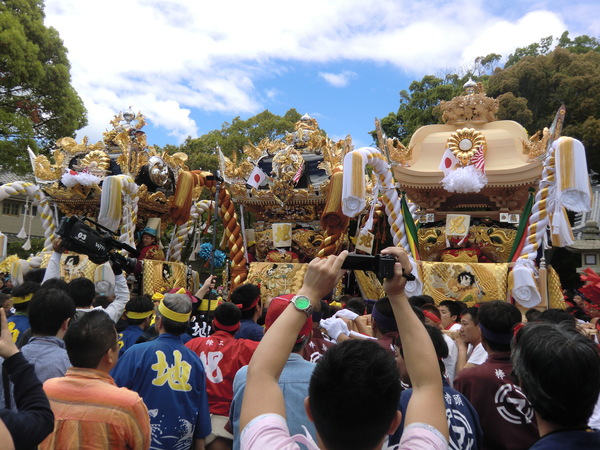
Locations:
(10, 177)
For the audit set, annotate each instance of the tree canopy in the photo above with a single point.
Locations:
(533, 83)
(233, 136)
(38, 105)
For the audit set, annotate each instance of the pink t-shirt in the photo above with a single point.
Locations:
(270, 431)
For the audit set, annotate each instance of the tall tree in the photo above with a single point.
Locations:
(418, 105)
(232, 137)
(38, 105)
(536, 86)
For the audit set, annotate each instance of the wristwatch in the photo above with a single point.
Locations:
(302, 303)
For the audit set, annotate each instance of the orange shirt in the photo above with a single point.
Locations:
(91, 412)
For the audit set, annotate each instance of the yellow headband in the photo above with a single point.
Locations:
(204, 305)
(158, 296)
(174, 316)
(138, 315)
(17, 300)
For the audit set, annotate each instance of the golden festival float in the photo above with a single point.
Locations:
(127, 187)
(475, 201)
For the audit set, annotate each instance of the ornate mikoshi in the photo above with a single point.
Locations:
(509, 166)
(74, 179)
(121, 180)
(295, 182)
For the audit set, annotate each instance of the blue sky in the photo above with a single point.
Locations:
(190, 65)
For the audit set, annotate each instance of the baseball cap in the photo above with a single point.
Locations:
(276, 307)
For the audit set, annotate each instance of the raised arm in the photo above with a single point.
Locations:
(200, 293)
(262, 394)
(427, 402)
(116, 308)
(53, 268)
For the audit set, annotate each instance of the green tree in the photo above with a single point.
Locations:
(232, 137)
(38, 105)
(536, 86)
(418, 105)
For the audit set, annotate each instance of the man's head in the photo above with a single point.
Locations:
(432, 314)
(6, 302)
(173, 314)
(356, 305)
(469, 326)
(358, 376)
(497, 320)
(49, 312)
(247, 295)
(449, 311)
(91, 342)
(276, 307)
(148, 239)
(383, 318)
(578, 300)
(227, 318)
(559, 371)
(439, 344)
(82, 291)
(139, 311)
(23, 294)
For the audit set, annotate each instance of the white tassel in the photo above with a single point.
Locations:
(23, 234)
(464, 180)
(525, 289)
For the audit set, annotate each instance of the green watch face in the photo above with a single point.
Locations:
(302, 302)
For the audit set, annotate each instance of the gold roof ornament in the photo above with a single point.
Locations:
(124, 149)
(469, 123)
(473, 107)
(464, 143)
(297, 167)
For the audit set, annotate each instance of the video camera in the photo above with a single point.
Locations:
(382, 265)
(99, 243)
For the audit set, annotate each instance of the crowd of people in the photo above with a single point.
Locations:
(180, 371)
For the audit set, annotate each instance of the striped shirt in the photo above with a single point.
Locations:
(91, 412)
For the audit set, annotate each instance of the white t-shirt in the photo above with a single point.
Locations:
(476, 355)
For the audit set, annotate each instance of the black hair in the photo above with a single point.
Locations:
(100, 300)
(559, 370)
(83, 291)
(179, 303)
(141, 304)
(56, 283)
(244, 295)
(439, 344)
(356, 305)
(472, 311)
(420, 300)
(500, 317)
(89, 338)
(3, 298)
(227, 314)
(36, 275)
(48, 309)
(384, 307)
(23, 290)
(532, 314)
(556, 315)
(453, 307)
(432, 309)
(369, 372)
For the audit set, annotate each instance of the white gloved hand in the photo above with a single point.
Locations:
(346, 314)
(334, 327)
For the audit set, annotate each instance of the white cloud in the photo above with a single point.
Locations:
(338, 79)
(170, 57)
